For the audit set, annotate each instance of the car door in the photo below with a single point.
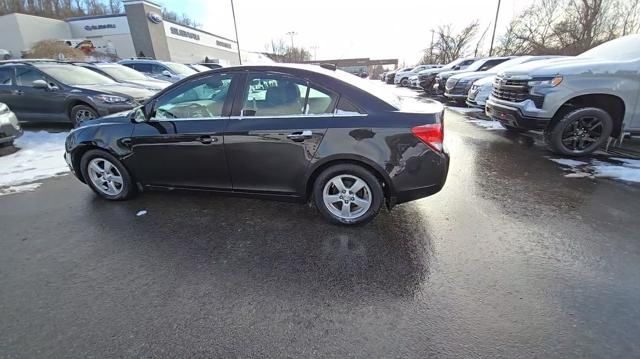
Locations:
(38, 104)
(182, 145)
(278, 124)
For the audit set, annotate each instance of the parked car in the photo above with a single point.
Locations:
(427, 78)
(199, 68)
(414, 80)
(383, 76)
(161, 70)
(310, 134)
(50, 91)
(477, 66)
(478, 85)
(403, 77)
(390, 77)
(578, 102)
(9, 127)
(126, 75)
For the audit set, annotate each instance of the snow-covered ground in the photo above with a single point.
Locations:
(39, 156)
(623, 169)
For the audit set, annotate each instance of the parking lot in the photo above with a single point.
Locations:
(522, 254)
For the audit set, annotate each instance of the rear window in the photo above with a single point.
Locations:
(367, 86)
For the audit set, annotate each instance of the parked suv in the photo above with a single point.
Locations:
(49, 91)
(161, 70)
(479, 65)
(402, 74)
(427, 78)
(126, 75)
(579, 102)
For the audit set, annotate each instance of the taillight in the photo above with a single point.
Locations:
(432, 135)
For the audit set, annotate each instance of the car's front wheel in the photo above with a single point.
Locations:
(81, 113)
(579, 132)
(348, 194)
(106, 175)
(404, 82)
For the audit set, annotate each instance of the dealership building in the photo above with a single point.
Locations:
(139, 30)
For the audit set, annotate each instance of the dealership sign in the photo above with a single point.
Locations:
(184, 33)
(154, 17)
(99, 27)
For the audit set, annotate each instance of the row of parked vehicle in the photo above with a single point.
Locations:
(43, 90)
(579, 102)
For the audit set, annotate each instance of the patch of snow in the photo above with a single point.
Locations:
(488, 124)
(629, 171)
(579, 174)
(40, 156)
(141, 213)
(21, 188)
(568, 162)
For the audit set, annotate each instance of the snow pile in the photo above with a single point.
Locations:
(21, 188)
(39, 155)
(622, 169)
(464, 110)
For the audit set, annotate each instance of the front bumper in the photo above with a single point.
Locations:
(9, 128)
(512, 116)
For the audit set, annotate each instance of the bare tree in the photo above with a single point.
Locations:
(451, 45)
(279, 51)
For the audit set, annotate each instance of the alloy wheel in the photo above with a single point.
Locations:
(84, 115)
(347, 196)
(105, 176)
(582, 133)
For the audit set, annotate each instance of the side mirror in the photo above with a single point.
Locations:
(166, 73)
(40, 84)
(149, 109)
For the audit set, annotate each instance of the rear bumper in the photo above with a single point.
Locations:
(414, 193)
(513, 117)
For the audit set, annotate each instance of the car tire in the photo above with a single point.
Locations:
(124, 186)
(363, 205)
(579, 132)
(80, 113)
(404, 82)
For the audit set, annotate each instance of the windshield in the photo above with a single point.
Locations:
(512, 62)
(75, 75)
(622, 49)
(180, 68)
(122, 73)
(452, 64)
(200, 68)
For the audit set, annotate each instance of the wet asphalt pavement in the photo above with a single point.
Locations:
(510, 260)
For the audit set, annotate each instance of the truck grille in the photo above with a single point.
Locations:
(514, 91)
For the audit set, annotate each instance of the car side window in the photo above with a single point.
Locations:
(5, 77)
(157, 69)
(26, 76)
(198, 99)
(278, 95)
(146, 68)
(347, 108)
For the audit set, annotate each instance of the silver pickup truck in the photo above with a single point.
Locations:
(579, 102)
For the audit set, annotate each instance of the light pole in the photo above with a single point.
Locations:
(292, 34)
(431, 47)
(495, 24)
(235, 26)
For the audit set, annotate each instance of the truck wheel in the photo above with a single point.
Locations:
(579, 132)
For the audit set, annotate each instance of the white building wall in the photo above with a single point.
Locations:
(20, 31)
(188, 45)
(108, 34)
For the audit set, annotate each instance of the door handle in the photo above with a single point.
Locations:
(300, 135)
(207, 139)
(17, 92)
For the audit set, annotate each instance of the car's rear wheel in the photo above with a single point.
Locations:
(579, 132)
(81, 113)
(106, 176)
(348, 194)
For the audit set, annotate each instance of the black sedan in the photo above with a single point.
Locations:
(301, 133)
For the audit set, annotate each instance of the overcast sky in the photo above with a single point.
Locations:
(345, 28)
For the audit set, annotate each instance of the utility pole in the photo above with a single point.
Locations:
(431, 47)
(292, 34)
(495, 24)
(235, 26)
